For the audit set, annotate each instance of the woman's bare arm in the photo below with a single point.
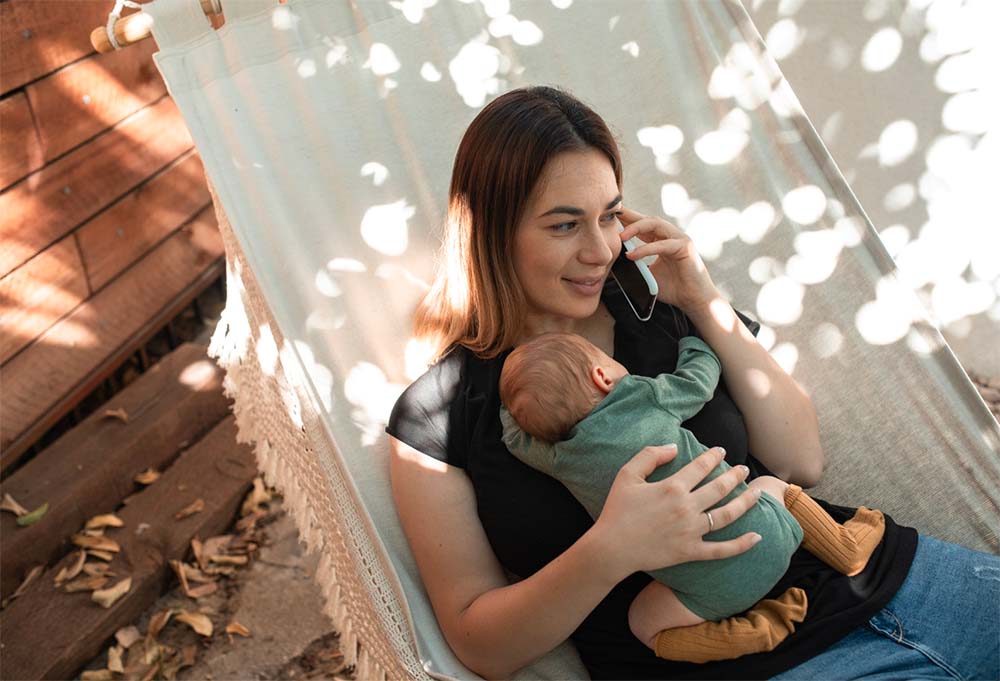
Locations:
(495, 628)
(780, 417)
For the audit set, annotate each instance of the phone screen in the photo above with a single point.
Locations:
(629, 278)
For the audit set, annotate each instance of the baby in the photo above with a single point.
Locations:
(576, 414)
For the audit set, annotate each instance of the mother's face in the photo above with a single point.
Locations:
(567, 238)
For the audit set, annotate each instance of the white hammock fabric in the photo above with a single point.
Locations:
(327, 130)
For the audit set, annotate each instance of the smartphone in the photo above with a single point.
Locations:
(635, 280)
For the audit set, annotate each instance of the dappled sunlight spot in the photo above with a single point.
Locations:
(948, 156)
(417, 356)
(839, 54)
(496, 8)
(327, 285)
(562, 4)
(779, 301)
(721, 146)
(283, 19)
(503, 26)
(197, 373)
(381, 60)
(527, 33)
(921, 343)
(474, 70)
(764, 268)
(900, 197)
(970, 112)
(664, 141)
(267, 350)
(789, 7)
(345, 265)
(612, 22)
(373, 397)
(850, 229)
(384, 228)
(739, 76)
(336, 55)
(391, 272)
(816, 256)
(306, 68)
(784, 38)
(786, 355)
(710, 230)
(875, 10)
(321, 376)
(758, 382)
(429, 72)
(766, 337)
(888, 318)
(325, 319)
(413, 10)
(954, 24)
(675, 201)
(805, 205)
(897, 142)
(378, 172)
(831, 127)
(882, 50)
(960, 72)
(826, 340)
(756, 221)
(632, 47)
(955, 298)
(895, 238)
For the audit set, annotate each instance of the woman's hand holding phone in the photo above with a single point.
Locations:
(680, 273)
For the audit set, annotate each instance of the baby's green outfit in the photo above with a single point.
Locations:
(641, 411)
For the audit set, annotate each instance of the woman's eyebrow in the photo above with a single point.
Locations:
(573, 210)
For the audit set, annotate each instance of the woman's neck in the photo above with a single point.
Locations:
(597, 328)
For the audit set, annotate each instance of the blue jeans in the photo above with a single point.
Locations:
(943, 623)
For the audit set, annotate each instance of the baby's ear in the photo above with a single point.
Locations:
(601, 379)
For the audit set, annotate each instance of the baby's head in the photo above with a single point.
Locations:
(554, 380)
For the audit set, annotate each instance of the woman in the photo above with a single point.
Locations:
(533, 227)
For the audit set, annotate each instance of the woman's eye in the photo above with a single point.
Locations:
(564, 226)
(614, 216)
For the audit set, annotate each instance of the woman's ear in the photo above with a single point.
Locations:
(601, 379)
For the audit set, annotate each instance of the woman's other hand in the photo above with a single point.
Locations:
(650, 525)
(681, 274)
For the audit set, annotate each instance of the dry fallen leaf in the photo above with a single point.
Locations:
(34, 516)
(257, 496)
(188, 654)
(115, 659)
(87, 583)
(32, 575)
(235, 627)
(107, 597)
(203, 590)
(105, 520)
(98, 532)
(197, 621)
(193, 574)
(157, 622)
(97, 570)
(97, 675)
(147, 477)
(197, 548)
(71, 570)
(119, 414)
(229, 560)
(225, 570)
(126, 636)
(101, 543)
(215, 545)
(247, 522)
(102, 555)
(194, 507)
(8, 504)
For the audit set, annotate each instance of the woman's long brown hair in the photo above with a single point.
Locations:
(476, 300)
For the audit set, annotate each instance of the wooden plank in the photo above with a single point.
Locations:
(45, 206)
(48, 634)
(83, 99)
(45, 380)
(40, 36)
(123, 233)
(90, 469)
(39, 293)
(20, 150)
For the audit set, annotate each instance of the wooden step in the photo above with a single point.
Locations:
(90, 469)
(50, 634)
(44, 381)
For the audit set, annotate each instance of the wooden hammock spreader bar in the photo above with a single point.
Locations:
(133, 28)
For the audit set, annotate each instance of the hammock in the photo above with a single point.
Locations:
(327, 131)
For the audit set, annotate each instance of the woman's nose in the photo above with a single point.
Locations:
(596, 250)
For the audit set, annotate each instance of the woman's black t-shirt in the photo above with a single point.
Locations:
(452, 414)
